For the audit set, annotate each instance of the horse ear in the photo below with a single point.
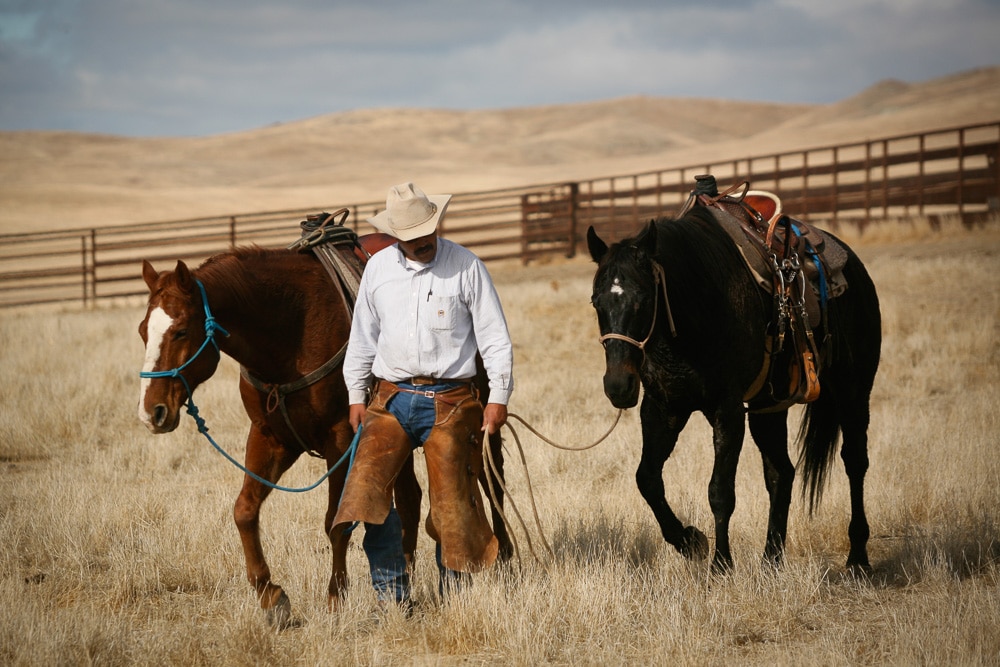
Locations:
(149, 274)
(596, 246)
(648, 239)
(184, 277)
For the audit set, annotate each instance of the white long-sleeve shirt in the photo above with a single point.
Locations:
(413, 319)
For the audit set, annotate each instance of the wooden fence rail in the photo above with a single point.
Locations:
(954, 171)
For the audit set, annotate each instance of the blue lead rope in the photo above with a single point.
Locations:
(211, 327)
(348, 455)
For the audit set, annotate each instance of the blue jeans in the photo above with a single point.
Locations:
(383, 543)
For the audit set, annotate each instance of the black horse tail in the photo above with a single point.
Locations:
(851, 350)
(819, 434)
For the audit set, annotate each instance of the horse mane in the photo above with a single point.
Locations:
(702, 267)
(697, 237)
(241, 272)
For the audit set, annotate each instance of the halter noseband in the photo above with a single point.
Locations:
(661, 281)
(211, 327)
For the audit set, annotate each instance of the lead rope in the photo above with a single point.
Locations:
(211, 328)
(491, 464)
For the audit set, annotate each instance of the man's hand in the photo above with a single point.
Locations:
(357, 415)
(494, 416)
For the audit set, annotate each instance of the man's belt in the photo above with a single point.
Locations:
(421, 380)
(463, 386)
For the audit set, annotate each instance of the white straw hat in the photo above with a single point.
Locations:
(409, 213)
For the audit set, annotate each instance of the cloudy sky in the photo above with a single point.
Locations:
(199, 67)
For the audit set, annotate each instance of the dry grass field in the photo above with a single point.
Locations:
(118, 546)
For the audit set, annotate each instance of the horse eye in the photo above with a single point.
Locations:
(180, 333)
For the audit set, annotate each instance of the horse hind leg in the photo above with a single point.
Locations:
(770, 434)
(839, 412)
(854, 454)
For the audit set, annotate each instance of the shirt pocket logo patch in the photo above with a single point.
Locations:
(443, 312)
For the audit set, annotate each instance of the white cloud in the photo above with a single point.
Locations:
(190, 67)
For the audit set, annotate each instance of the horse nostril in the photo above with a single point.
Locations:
(159, 415)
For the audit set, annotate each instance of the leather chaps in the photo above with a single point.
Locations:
(453, 453)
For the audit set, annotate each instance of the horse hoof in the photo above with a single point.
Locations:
(722, 565)
(694, 544)
(860, 570)
(279, 615)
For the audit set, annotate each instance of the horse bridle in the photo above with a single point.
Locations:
(211, 327)
(660, 279)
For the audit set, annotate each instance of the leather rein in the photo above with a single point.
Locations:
(661, 282)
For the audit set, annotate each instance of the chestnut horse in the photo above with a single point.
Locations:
(681, 316)
(277, 313)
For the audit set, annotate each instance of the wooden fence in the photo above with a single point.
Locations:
(954, 171)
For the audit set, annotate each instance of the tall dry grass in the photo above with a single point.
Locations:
(118, 547)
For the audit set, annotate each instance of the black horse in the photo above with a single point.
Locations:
(680, 313)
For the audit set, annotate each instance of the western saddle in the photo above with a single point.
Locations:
(800, 266)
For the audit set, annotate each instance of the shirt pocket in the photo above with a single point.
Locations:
(443, 312)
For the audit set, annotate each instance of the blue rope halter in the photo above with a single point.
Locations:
(211, 327)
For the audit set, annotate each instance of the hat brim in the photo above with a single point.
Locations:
(384, 222)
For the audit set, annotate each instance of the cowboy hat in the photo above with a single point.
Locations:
(409, 213)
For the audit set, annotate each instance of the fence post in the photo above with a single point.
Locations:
(961, 175)
(885, 179)
(920, 175)
(83, 267)
(868, 184)
(994, 159)
(574, 194)
(93, 266)
(805, 184)
(835, 203)
(524, 229)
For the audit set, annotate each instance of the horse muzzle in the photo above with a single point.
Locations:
(159, 418)
(622, 388)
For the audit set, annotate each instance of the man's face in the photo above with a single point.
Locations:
(421, 249)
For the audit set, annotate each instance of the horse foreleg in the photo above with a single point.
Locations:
(770, 434)
(659, 437)
(486, 477)
(268, 460)
(728, 425)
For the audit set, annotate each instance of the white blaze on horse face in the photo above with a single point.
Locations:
(616, 288)
(156, 328)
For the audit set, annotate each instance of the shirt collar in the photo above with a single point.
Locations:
(415, 266)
